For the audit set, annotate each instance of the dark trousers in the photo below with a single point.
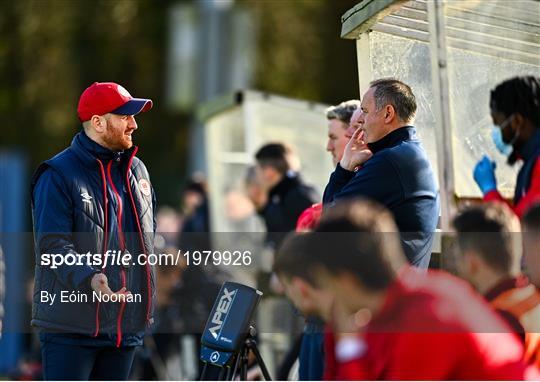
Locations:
(78, 362)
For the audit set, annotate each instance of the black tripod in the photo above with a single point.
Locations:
(241, 361)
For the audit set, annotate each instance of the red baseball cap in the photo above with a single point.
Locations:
(108, 97)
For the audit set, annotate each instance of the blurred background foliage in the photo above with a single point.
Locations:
(51, 50)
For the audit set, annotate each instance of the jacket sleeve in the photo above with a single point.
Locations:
(2, 288)
(339, 179)
(53, 229)
(533, 193)
(528, 200)
(494, 196)
(154, 208)
(377, 179)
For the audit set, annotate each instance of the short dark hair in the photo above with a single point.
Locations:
(344, 111)
(531, 218)
(518, 95)
(196, 184)
(491, 230)
(275, 155)
(390, 91)
(293, 258)
(359, 237)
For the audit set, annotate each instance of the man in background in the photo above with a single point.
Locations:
(287, 194)
(391, 322)
(514, 106)
(490, 247)
(339, 119)
(531, 244)
(342, 121)
(385, 162)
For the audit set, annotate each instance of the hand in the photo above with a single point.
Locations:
(484, 175)
(356, 152)
(257, 195)
(261, 180)
(99, 283)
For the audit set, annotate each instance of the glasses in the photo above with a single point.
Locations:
(505, 123)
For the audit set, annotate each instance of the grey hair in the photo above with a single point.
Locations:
(343, 111)
(390, 91)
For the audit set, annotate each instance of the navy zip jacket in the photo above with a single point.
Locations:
(400, 177)
(90, 199)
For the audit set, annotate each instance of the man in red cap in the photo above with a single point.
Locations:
(93, 213)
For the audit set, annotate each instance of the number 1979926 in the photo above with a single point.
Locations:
(235, 258)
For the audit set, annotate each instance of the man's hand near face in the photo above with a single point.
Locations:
(356, 152)
(257, 195)
(262, 178)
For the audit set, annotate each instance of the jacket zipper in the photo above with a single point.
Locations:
(143, 247)
(122, 240)
(106, 233)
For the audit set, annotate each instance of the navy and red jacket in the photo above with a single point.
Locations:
(527, 192)
(90, 199)
(400, 177)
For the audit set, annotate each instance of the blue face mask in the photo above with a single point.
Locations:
(496, 134)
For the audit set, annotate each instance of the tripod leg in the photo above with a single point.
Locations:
(203, 373)
(221, 374)
(236, 364)
(245, 358)
(260, 361)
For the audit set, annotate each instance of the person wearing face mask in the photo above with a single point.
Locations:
(515, 109)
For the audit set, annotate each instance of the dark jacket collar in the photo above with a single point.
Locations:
(531, 147)
(505, 285)
(394, 138)
(89, 151)
(289, 180)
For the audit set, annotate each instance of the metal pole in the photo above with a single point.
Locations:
(441, 101)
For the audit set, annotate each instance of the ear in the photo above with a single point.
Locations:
(517, 119)
(519, 123)
(99, 123)
(462, 263)
(303, 288)
(390, 113)
(473, 262)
